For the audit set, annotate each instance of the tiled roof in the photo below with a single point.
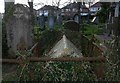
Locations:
(48, 7)
(71, 5)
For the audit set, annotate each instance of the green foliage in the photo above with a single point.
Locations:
(112, 71)
(4, 41)
(9, 13)
(68, 71)
(102, 14)
(47, 39)
(57, 71)
(58, 27)
(36, 32)
(90, 29)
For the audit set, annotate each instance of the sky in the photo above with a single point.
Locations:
(44, 2)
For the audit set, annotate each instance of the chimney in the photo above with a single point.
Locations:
(8, 4)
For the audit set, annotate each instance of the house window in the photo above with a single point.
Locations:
(74, 10)
(45, 11)
(67, 10)
(62, 10)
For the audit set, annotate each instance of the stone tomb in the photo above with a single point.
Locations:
(64, 48)
(51, 22)
(72, 25)
(42, 22)
(19, 29)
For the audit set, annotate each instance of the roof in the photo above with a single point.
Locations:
(84, 8)
(75, 5)
(97, 4)
(71, 5)
(48, 7)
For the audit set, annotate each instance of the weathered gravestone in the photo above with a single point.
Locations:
(51, 22)
(59, 19)
(76, 18)
(19, 29)
(42, 22)
(71, 25)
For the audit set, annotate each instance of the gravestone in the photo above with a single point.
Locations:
(117, 9)
(51, 22)
(59, 20)
(42, 22)
(76, 18)
(71, 25)
(19, 29)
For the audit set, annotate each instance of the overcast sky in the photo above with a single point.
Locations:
(47, 2)
(44, 2)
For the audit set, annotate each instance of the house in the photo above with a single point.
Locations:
(46, 10)
(71, 10)
(94, 8)
(84, 10)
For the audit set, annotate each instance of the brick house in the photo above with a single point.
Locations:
(71, 10)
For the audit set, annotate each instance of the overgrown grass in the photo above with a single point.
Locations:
(67, 71)
(90, 29)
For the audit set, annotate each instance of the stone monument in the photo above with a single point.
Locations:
(51, 22)
(19, 29)
(76, 18)
(72, 25)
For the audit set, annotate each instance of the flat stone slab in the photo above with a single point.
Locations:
(103, 38)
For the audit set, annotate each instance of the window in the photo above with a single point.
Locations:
(62, 10)
(67, 10)
(74, 10)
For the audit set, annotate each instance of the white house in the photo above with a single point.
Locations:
(95, 8)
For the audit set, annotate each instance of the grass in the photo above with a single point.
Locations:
(90, 29)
